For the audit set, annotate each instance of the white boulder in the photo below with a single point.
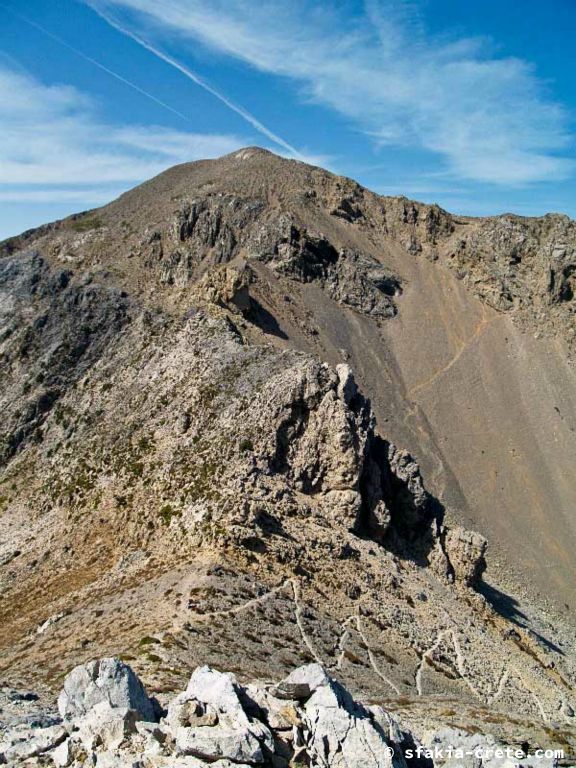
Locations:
(106, 680)
(234, 736)
(105, 726)
(338, 732)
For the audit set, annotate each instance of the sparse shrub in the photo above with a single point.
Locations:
(147, 640)
(85, 224)
(167, 513)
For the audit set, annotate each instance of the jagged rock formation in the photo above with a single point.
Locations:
(307, 719)
(526, 265)
(193, 474)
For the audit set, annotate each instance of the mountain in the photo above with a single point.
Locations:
(256, 416)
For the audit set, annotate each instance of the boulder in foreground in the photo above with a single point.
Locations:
(106, 680)
(308, 719)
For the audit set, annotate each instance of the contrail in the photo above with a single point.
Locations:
(96, 63)
(253, 121)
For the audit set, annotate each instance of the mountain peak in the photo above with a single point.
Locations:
(255, 413)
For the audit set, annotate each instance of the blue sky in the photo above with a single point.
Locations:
(468, 104)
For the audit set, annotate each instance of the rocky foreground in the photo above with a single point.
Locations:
(106, 719)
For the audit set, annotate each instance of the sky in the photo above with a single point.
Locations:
(470, 105)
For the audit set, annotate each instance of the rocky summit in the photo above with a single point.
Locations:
(258, 419)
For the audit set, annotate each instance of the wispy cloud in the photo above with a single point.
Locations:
(95, 62)
(204, 84)
(53, 143)
(82, 196)
(488, 116)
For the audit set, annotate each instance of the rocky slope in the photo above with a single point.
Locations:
(192, 472)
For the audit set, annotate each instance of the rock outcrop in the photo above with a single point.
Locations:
(336, 730)
(212, 723)
(107, 681)
(351, 278)
(308, 719)
(465, 551)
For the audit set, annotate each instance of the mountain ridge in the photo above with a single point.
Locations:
(204, 384)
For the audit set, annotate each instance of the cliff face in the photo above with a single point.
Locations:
(192, 471)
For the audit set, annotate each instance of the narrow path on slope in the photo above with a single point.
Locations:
(460, 662)
(292, 587)
(289, 584)
(465, 345)
(341, 649)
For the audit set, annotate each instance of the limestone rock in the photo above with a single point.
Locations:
(187, 761)
(109, 681)
(109, 759)
(184, 711)
(237, 745)
(234, 736)
(24, 743)
(278, 712)
(465, 551)
(226, 286)
(307, 719)
(339, 732)
(105, 726)
(406, 474)
(63, 755)
(350, 276)
(321, 428)
(302, 682)
(347, 387)
(464, 750)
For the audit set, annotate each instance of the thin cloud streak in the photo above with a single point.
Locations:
(95, 63)
(489, 118)
(195, 78)
(80, 195)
